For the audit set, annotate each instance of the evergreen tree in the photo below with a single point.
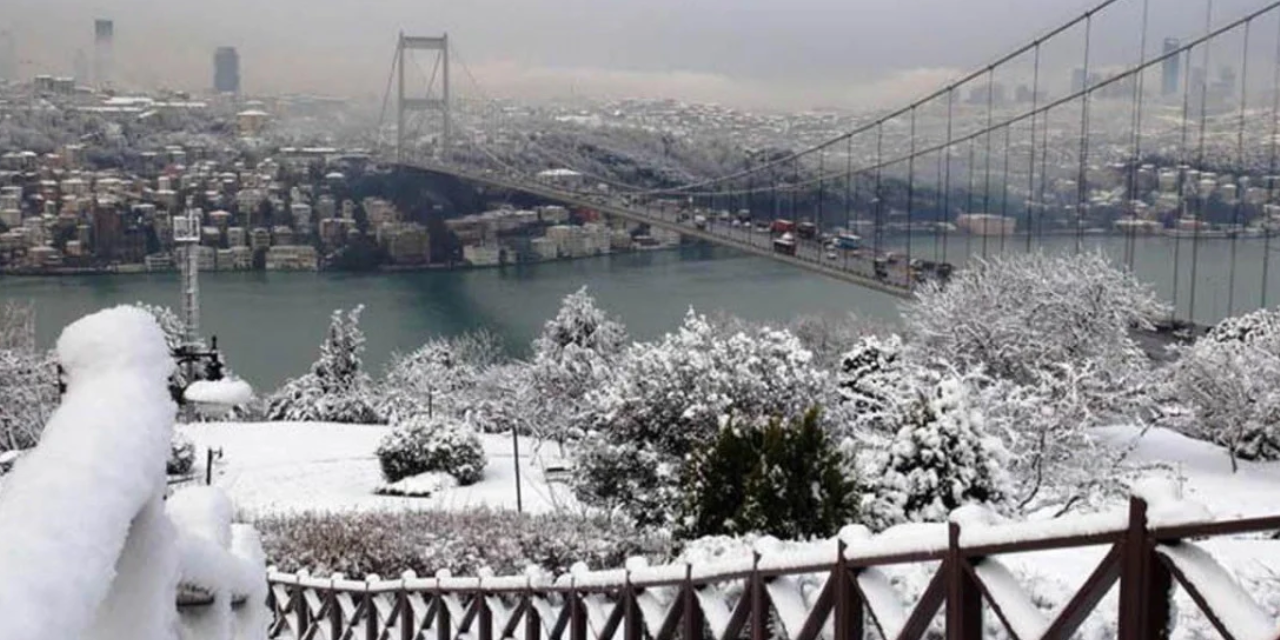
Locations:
(940, 459)
(788, 480)
(872, 377)
(336, 389)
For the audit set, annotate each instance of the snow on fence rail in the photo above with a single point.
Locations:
(835, 592)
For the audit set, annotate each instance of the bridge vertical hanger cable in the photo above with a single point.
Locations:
(879, 199)
(822, 186)
(968, 234)
(1271, 173)
(795, 190)
(1200, 201)
(1082, 189)
(1184, 166)
(1136, 161)
(1044, 177)
(1240, 168)
(848, 193)
(1004, 181)
(386, 98)
(946, 189)
(1031, 153)
(911, 190)
(986, 181)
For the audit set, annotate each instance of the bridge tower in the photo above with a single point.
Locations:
(406, 103)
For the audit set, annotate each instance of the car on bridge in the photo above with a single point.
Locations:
(785, 244)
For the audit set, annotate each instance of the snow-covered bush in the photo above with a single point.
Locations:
(441, 375)
(336, 389)
(1229, 380)
(182, 455)
(787, 480)
(388, 543)
(422, 444)
(669, 396)
(941, 458)
(503, 399)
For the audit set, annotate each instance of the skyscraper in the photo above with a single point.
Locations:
(104, 33)
(8, 57)
(1171, 68)
(226, 70)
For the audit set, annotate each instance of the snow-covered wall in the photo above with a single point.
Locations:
(84, 507)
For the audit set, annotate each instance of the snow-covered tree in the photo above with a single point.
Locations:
(1017, 316)
(941, 458)
(336, 389)
(1229, 380)
(575, 353)
(28, 380)
(672, 394)
(872, 378)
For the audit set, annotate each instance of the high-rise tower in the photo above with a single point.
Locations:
(1170, 68)
(226, 70)
(104, 34)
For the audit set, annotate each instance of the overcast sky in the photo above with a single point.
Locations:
(783, 53)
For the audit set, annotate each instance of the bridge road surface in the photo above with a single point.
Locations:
(854, 267)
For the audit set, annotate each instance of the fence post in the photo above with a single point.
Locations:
(370, 614)
(577, 612)
(629, 613)
(848, 602)
(1145, 583)
(442, 614)
(300, 609)
(532, 621)
(759, 611)
(335, 612)
(407, 622)
(964, 598)
(692, 619)
(486, 614)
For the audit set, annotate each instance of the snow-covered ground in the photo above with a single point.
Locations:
(300, 466)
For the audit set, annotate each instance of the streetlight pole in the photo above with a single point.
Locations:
(515, 449)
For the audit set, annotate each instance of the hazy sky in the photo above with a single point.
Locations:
(784, 53)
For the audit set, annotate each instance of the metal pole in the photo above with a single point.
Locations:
(400, 99)
(515, 457)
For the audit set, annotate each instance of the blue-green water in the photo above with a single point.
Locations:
(270, 323)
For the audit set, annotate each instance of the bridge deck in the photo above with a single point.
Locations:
(859, 270)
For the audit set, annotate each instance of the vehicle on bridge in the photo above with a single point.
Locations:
(807, 230)
(848, 241)
(782, 226)
(700, 222)
(785, 244)
(744, 216)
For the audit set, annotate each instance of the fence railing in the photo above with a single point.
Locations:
(1148, 552)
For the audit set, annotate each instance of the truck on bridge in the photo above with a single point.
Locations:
(782, 226)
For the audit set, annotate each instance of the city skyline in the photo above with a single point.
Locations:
(811, 54)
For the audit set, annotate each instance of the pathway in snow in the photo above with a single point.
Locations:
(299, 466)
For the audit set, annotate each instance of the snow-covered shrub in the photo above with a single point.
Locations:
(182, 455)
(787, 480)
(336, 389)
(441, 375)
(388, 543)
(1229, 380)
(941, 458)
(422, 444)
(669, 396)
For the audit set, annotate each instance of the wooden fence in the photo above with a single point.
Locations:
(848, 594)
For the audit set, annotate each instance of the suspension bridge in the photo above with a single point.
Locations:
(1167, 147)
